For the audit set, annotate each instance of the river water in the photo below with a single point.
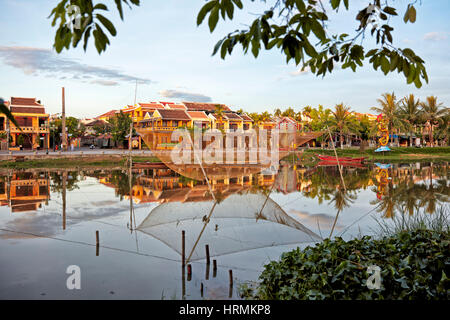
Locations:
(49, 219)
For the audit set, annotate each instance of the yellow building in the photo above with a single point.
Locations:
(26, 191)
(34, 130)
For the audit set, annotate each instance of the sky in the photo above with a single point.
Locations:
(159, 44)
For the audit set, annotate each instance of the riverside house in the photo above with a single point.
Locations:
(34, 130)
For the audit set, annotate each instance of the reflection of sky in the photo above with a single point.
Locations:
(308, 211)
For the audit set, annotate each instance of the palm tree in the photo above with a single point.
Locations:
(218, 112)
(341, 121)
(277, 112)
(389, 108)
(433, 113)
(289, 112)
(410, 113)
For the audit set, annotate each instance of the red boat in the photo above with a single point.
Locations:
(340, 159)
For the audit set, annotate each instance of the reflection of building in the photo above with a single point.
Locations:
(33, 121)
(165, 185)
(24, 191)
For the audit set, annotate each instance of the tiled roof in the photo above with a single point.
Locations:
(200, 106)
(16, 109)
(26, 105)
(174, 114)
(232, 116)
(246, 117)
(177, 106)
(152, 105)
(108, 114)
(198, 115)
(24, 102)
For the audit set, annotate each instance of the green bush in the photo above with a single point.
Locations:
(414, 265)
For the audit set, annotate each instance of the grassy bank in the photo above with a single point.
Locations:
(74, 162)
(396, 155)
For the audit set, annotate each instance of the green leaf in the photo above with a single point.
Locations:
(412, 14)
(119, 8)
(238, 3)
(213, 18)
(108, 24)
(204, 10)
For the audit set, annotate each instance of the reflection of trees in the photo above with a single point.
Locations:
(121, 181)
(71, 183)
(326, 185)
(402, 194)
(342, 198)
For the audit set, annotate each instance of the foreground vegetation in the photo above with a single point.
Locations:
(414, 265)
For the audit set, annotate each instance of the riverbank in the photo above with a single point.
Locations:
(396, 155)
(85, 161)
(118, 158)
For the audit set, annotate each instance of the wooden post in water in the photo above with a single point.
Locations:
(207, 254)
(189, 272)
(207, 272)
(183, 252)
(214, 268)
(230, 292)
(201, 289)
(97, 243)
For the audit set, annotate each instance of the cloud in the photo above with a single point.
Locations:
(299, 72)
(185, 95)
(34, 61)
(325, 221)
(435, 36)
(105, 82)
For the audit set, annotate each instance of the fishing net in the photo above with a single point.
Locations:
(239, 223)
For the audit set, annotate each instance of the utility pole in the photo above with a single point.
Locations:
(63, 130)
(131, 124)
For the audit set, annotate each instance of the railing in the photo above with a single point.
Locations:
(159, 128)
(30, 129)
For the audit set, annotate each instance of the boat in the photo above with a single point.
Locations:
(340, 159)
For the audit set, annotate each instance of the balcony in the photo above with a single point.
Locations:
(29, 130)
(158, 128)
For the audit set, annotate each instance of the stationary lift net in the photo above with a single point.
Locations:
(236, 224)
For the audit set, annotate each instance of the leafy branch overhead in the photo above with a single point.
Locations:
(78, 19)
(298, 28)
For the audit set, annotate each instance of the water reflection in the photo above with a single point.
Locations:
(256, 217)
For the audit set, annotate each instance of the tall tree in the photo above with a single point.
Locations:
(298, 28)
(410, 113)
(120, 126)
(433, 112)
(389, 107)
(342, 121)
(289, 112)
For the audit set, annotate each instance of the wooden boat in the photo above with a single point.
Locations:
(340, 159)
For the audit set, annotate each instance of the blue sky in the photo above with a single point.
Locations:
(160, 44)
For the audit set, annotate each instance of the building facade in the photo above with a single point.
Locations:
(33, 131)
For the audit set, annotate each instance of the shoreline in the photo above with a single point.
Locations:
(115, 158)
